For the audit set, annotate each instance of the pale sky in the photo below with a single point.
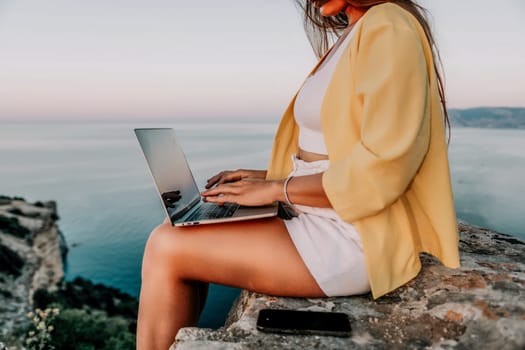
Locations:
(154, 59)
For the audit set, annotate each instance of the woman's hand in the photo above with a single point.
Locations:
(234, 175)
(249, 191)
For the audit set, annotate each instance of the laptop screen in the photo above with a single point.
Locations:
(169, 169)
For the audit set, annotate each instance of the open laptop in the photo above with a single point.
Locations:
(176, 185)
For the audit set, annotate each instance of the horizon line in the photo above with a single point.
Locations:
(191, 118)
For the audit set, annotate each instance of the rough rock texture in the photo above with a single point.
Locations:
(478, 306)
(41, 251)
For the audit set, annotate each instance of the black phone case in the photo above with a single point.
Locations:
(304, 322)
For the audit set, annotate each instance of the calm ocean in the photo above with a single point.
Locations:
(108, 205)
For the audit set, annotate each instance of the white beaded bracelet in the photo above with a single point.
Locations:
(285, 187)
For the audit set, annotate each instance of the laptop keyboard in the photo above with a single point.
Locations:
(213, 211)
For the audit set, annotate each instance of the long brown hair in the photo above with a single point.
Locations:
(321, 30)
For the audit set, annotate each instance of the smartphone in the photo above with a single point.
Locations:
(304, 322)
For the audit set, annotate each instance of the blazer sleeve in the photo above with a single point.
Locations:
(392, 84)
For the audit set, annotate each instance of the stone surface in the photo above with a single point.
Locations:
(42, 252)
(478, 306)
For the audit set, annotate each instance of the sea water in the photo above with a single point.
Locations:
(108, 205)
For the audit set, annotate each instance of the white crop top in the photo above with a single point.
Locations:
(307, 107)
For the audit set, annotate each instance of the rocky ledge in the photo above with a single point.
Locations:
(478, 306)
(31, 257)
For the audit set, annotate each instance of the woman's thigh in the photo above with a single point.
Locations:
(257, 255)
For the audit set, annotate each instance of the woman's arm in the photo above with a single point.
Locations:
(392, 83)
(305, 190)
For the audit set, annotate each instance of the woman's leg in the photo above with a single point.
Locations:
(256, 255)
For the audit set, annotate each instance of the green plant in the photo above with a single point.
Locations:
(19, 212)
(16, 211)
(92, 316)
(39, 334)
(88, 329)
(13, 198)
(10, 262)
(81, 293)
(13, 227)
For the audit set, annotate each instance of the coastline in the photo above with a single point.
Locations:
(483, 300)
(32, 259)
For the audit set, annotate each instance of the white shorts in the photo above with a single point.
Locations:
(330, 247)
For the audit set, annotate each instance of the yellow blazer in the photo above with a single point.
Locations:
(383, 128)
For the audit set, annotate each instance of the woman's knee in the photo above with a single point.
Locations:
(163, 248)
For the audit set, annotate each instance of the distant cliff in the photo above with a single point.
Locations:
(31, 257)
(488, 117)
(32, 252)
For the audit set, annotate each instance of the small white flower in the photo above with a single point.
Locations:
(41, 326)
(30, 314)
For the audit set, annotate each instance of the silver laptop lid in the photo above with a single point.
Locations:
(170, 170)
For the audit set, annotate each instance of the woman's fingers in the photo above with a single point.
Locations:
(221, 189)
(222, 177)
(233, 176)
(213, 180)
(230, 177)
(244, 192)
(220, 194)
(225, 198)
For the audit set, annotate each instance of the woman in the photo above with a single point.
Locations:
(361, 155)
